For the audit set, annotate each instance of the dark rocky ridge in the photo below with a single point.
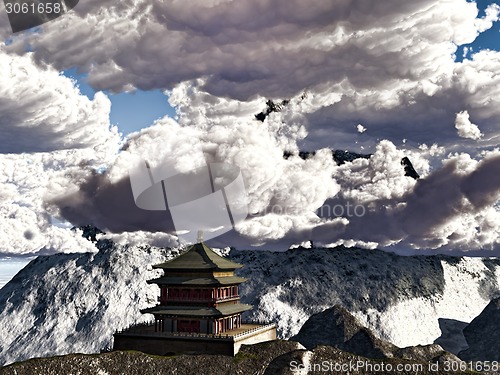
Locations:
(270, 358)
(452, 337)
(339, 156)
(271, 107)
(354, 346)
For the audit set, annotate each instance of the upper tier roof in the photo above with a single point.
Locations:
(198, 281)
(199, 257)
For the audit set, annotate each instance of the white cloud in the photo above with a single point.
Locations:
(52, 138)
(466, 129)
(26, 180)
(360, 128)
(465, 52)
(293, 186)
(240, 45)
(44, 111)
(492, 15)
(451, 209)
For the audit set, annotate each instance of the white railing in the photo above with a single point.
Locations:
(256, 329)
(130, 332)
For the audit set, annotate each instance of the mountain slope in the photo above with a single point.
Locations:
(74, 302)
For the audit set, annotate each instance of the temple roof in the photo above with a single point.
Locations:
(185, 311)
(199, 257)
(208, 281)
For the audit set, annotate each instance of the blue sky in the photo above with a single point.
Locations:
(490, 39)
(130, 111)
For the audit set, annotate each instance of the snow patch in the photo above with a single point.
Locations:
(416, 321)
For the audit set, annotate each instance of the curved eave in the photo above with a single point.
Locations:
(201, 281)
(199, 257)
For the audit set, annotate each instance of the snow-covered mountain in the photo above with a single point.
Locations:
(74, 302)
(399, 298)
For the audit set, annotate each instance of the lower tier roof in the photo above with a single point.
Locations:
(186, 311)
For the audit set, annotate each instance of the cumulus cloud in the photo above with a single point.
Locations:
(451, 209)
(491, 15)
(360, 128)
(52, 138)
(25, 182)
(389, 65)
(292, 199)
(242, 45)
(43, 111)
(466, 129)
(292, 187)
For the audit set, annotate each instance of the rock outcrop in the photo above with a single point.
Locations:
(337, 327)
(409, 169)
(483, 335)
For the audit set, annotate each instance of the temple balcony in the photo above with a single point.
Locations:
(164, 301)
(228, 298)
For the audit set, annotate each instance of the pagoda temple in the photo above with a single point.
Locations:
(198, 293)
(199, 309)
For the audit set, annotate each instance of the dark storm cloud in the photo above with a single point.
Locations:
(449, 209)
(110, 206)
